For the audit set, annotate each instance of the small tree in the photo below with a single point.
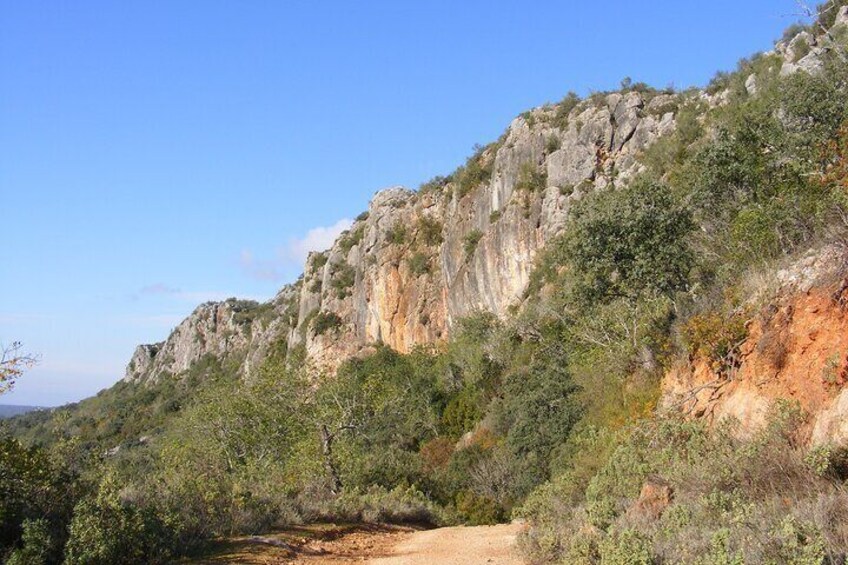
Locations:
(12, 365)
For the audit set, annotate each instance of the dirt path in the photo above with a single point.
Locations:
(371, 544)
(456, 546)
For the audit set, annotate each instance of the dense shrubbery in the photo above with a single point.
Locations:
(762, 500)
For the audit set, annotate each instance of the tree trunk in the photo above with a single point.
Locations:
(327, 452)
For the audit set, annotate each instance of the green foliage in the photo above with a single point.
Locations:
(436, 184)
(530, 178)
(727, 493)
(343, 278)
(319, 259)
(827, 12)
(419, 263)
(397, 234)
(352, 238)
(37, 545)
(471, 240)
(629, 243)
(476, 171)
(107, 529)
(563, 109)
(430, 230)
(383, 400)
(324, 322)
(494, 216)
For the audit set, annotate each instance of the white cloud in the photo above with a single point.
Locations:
(316, 239)
(294, 253)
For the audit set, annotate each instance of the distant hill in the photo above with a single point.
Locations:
(9, 410)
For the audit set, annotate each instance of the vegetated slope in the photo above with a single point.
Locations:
(609, 266)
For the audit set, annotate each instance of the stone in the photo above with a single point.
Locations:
(654, 499)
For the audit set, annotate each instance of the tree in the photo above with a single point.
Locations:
(630, 243)
(12, 365)
(372, 417)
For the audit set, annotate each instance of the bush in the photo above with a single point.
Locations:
(436, 184)
(343, 278)
(629, 243)
(530, 178)
(397, 234)
(476, 171)
(37, 545)
(351, 238)
(471, 240)
(430, 230)
(324, 322)
(564, 108)
(419, 263)
(106, 530)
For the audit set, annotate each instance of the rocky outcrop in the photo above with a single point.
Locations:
(418, 261)
(796, 349)
(238, 330)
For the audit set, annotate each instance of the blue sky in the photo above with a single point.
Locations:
(154, 155)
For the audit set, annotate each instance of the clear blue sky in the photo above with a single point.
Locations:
(157, 154)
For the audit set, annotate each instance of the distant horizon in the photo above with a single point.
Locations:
(159, 157)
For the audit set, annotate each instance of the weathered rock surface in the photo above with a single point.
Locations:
(796, 349)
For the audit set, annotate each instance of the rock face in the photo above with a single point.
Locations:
(420, 261)
(417, 262)
(234, 329)
(796, 349)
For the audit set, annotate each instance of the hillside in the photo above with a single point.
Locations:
(624, 321)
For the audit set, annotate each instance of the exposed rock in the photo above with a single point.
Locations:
(796, 350)
(751, 84)
(656, 496)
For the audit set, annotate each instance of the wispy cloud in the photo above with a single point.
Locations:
(316, 239)
(293, 254)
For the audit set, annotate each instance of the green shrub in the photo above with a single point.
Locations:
(351, 238)
(430, 230)
(397, 234)
(494, 216)
(627, 547)
(530, 178)
(319, 260)
(471, 240)
(324, 322)
(476, 171)
(343, 278)
(436, 184)
(629, 242)
(107, 530)
(564, 108)
(37, 545)
(419, 263)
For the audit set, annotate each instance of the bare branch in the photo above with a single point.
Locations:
(12, 364)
